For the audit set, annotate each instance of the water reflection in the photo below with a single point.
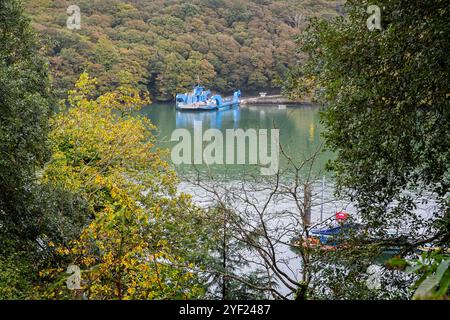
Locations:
(300, 127)
(209, 119)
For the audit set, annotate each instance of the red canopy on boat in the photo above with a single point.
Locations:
(341, 216)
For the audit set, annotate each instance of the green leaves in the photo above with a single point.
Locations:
(397, 263)
(435, 280)
(24, 111)
(385, 105)
(135, 244)
(433, 271)
(229, 44)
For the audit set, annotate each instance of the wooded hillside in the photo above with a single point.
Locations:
(163, 45)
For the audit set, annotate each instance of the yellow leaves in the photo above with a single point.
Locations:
(62, 251)
(106, 158)
(83, 88)
(88, 261)
(50, 272)
(85, 84)
(125, 99)
(115, 192)
(91, 142)
(99, 179)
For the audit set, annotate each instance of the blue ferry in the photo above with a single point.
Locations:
(201, 99)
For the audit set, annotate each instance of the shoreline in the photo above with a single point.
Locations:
(271, 100)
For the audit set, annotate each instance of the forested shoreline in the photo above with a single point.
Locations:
(162, 46)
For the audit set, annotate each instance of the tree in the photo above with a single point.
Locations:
(140, 37)
(105, 53)
(30, 213)
(24, 113)
(259, 249)
(136, 244)
(385, 94)
(226, 277)
(433, 270)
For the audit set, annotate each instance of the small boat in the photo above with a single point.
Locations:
(330, 237)
(201, 99)
(335, 235)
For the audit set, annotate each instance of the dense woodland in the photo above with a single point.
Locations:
(163, 45)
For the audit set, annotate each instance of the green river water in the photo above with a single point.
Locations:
(300, 130)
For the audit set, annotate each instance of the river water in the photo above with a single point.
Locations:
(300, 137)
(299, 130)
